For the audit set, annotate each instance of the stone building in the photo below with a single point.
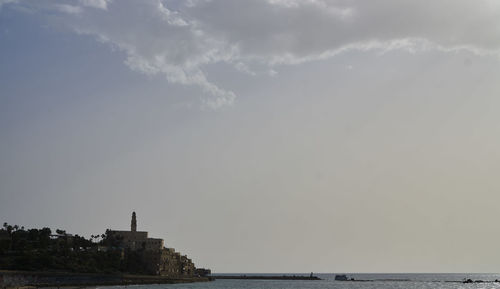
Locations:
(169, 263)
(136, 240)
(202, 272)
(156, 259)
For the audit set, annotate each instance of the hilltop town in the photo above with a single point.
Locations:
(154, 257)
(117, 251)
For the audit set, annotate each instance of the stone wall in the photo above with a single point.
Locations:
(133, 240)
(154, 244)
(19, 279)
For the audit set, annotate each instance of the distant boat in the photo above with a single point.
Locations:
(341, 277)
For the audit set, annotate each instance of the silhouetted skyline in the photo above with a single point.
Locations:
(259, 136)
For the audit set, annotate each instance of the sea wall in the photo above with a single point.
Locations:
(266, 277)
(16, 279)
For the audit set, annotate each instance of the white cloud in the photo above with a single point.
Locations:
(69, 9)
(178, 39)
(171, 17)
(164, 44)
(275, 29)
(3, 2)
(99, 4)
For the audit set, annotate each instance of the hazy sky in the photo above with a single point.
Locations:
(263, 135)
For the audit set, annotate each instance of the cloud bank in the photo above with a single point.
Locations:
(179, 39)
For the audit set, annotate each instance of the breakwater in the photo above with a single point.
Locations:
(266, 277)
(16, 279)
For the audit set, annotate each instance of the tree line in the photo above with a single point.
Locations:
(42, 250)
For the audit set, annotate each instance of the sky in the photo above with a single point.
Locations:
(262, 135)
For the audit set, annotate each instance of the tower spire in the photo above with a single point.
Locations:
(133, 224)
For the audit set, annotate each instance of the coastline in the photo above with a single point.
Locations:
(26, 279)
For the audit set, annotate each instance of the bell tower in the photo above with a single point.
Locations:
(133, 224)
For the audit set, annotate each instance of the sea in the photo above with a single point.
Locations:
(366, 281)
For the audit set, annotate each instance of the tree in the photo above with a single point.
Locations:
(35, 249)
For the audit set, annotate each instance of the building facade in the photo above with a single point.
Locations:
(156, 259)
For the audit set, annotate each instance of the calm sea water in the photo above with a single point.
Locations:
(412, 281)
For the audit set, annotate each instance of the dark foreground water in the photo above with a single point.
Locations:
(393, 281)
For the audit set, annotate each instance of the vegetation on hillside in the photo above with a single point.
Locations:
(41, 249)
